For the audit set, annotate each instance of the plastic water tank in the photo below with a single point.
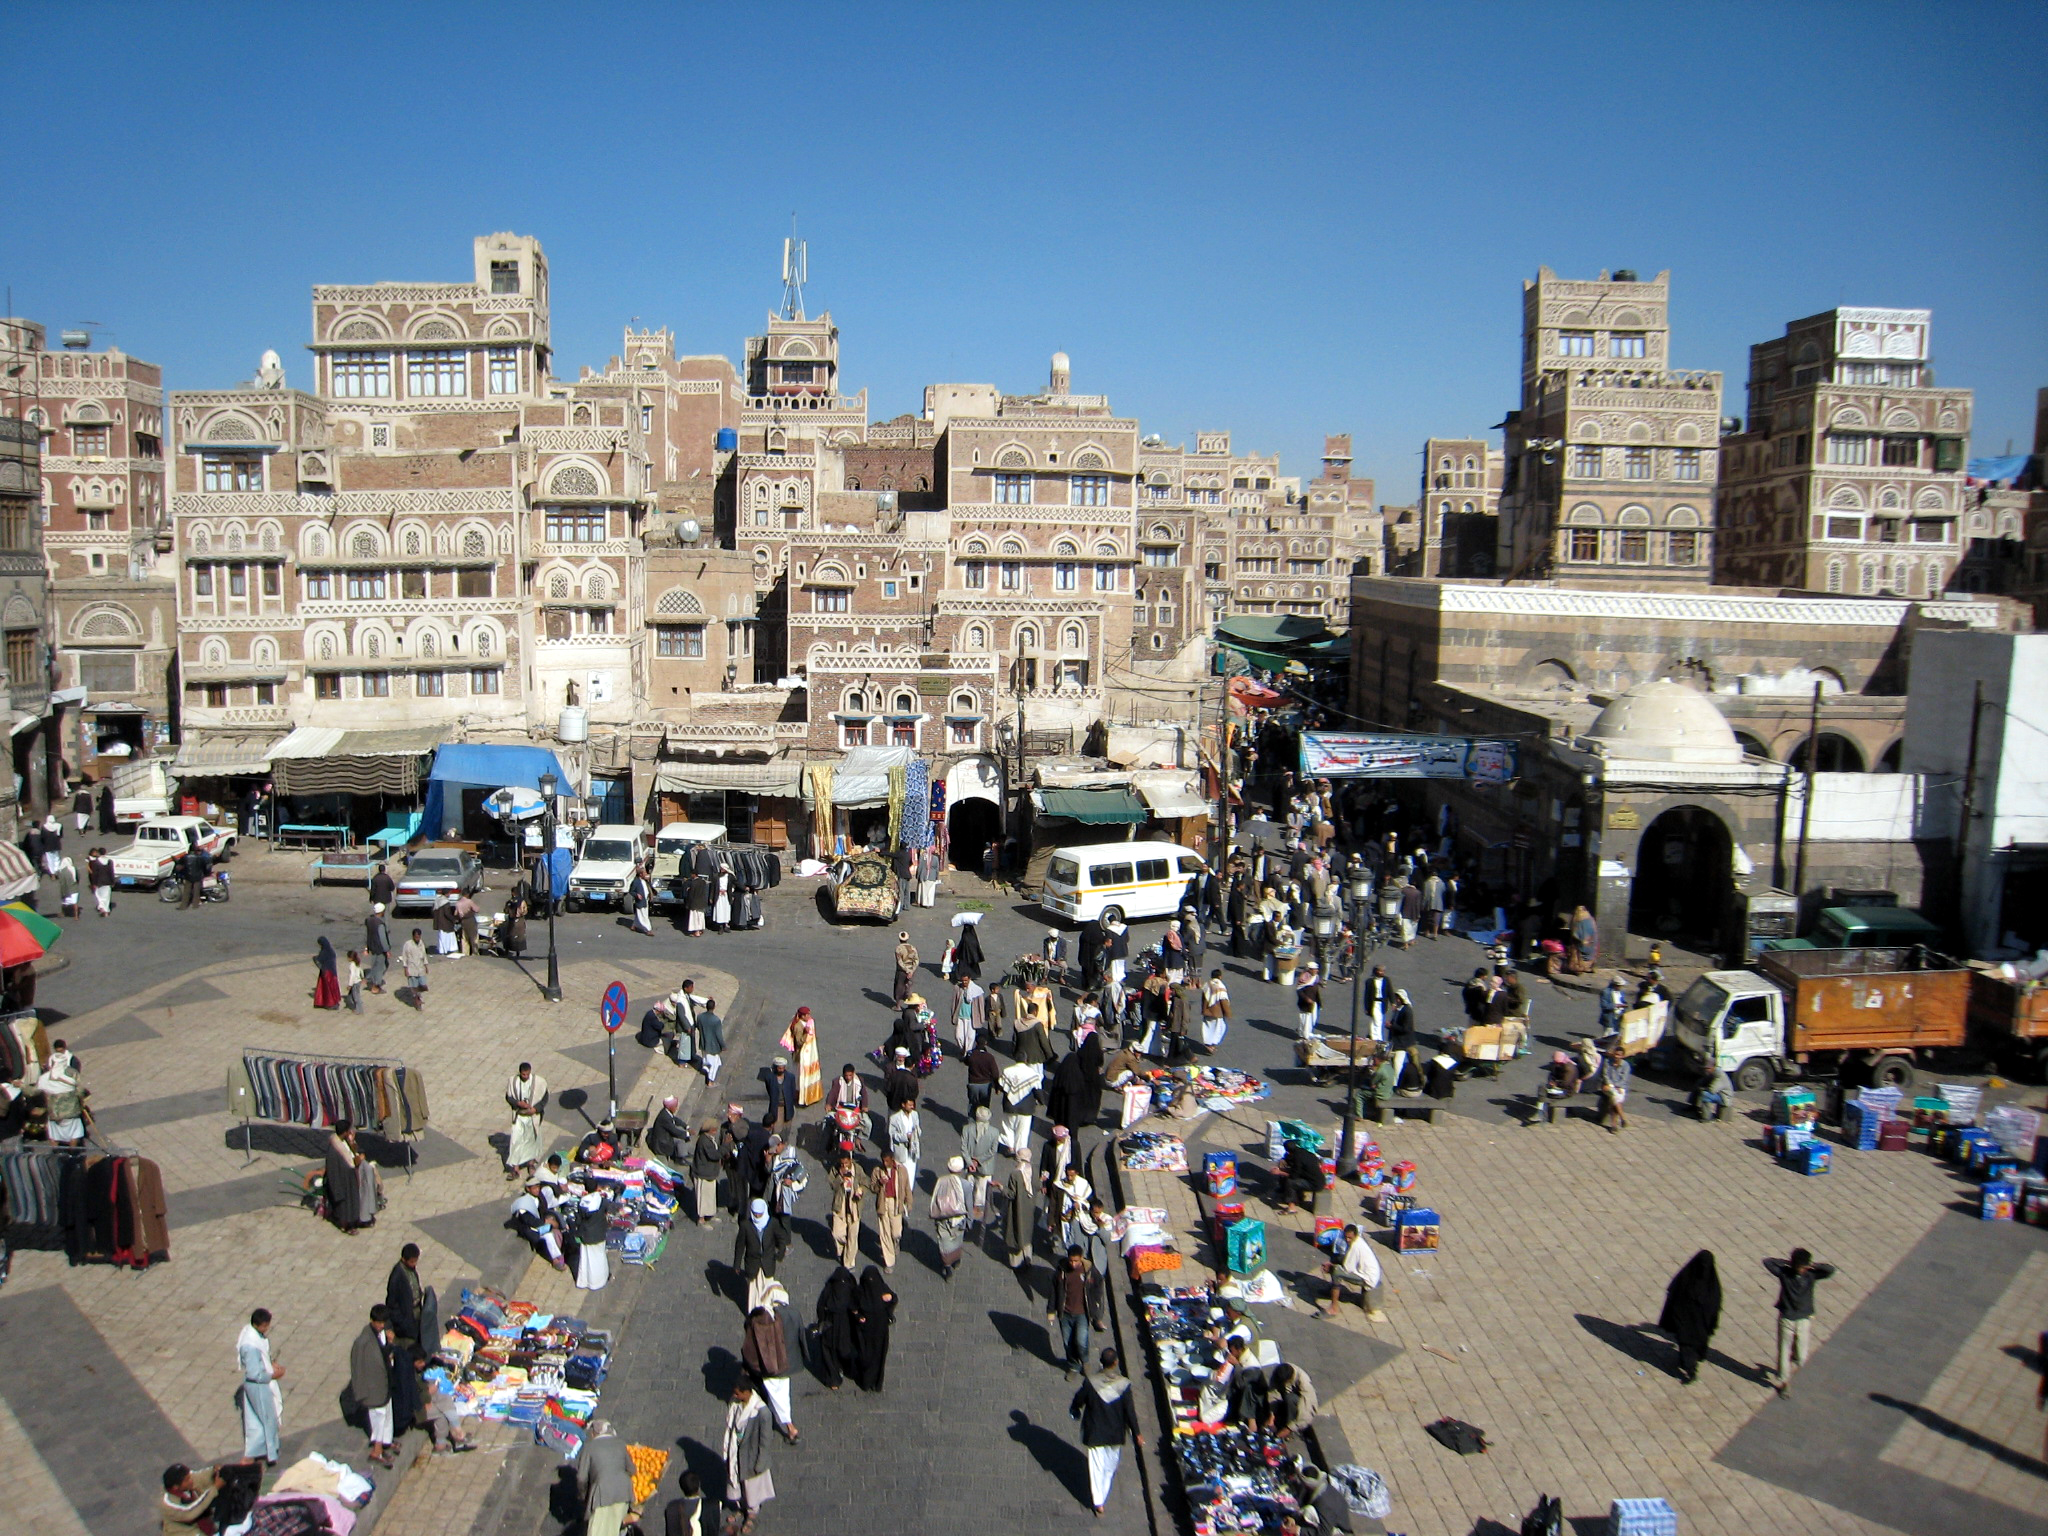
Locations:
(574, 725)
(728, 439)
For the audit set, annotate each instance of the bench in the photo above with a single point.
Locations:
(312, 834)
(1389, 1114)
(356, 867)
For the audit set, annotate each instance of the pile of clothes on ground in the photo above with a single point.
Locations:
(507, 1360)
(1152, 1152)
(640, 1205)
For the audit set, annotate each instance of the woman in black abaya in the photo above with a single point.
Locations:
(839, 1328)
(877, 1313)
(1692, 1311)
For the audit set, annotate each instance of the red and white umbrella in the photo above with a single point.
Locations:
(17, 876)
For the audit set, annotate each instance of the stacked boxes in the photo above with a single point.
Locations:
(1783, 1140)
(1864, 1116)
(1892, 1136)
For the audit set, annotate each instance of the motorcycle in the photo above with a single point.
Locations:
(214, 887)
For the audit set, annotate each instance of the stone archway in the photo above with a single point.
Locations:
(1683, 878)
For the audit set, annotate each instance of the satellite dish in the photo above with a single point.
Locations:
(514, 803)
(688, 530)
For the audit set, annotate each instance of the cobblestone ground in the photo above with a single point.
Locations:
(1915, 1415)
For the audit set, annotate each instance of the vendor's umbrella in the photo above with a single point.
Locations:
(17, 876)
(25, 934)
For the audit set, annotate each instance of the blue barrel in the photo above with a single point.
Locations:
(728, 440)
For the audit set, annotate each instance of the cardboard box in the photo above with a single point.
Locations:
(1419, 1230)
(1997, 1201)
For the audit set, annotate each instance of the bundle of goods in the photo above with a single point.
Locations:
(1794, 1106)
(1219, 1169)
(1998, 1198)
(2033, 1200)
(1964, 1100)
(648, 1465)
(1153, 1152)
(1147, 1244)
(1244, 1245)
(1970, 1146)
(1928, 1117)
(1419, 1229)
(643, 1195)
(1809, 1157)
(1231, 1476)
(1783, 1140)
(1390, 1205)
(1864, 1116)
(2015, 1129)
(506, 1360)
(1641, 1517)
(1221, 1087)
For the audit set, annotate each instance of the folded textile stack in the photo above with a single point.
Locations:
(509, 1362)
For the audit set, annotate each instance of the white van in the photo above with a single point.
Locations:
(1123, 880)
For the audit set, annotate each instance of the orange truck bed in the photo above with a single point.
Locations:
(1865, 999)
(2001, 1008)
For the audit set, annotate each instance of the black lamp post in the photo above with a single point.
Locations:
(548, 785)
(1347, 1156)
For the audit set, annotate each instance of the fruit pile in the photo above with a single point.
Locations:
(648, 1465)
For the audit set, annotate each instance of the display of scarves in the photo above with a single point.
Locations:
(897, 781)
(820, 777)
(917, 804)
(307, 1091)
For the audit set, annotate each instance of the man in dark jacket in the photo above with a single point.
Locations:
(1107, 1415)
(667, 1137)
(1796, 1277)
(404, 1296)
(377, 940)
(369, 1382)
(382, 888)
(781, 1085)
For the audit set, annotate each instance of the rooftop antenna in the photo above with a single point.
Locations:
(795, 268)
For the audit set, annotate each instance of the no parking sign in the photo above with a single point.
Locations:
(613, 1008)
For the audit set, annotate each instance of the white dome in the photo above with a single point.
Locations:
(1665, 722)
(1060, 364)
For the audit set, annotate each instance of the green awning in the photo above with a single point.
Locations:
(1282, 631)
(1093, 807)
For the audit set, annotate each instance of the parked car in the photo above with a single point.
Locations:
(430, 871)
(604, 867)
(161, 841)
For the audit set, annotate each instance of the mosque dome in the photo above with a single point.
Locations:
(1665, 722)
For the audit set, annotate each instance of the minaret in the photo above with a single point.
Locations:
(1062, 376)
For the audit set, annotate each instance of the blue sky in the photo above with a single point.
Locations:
(1283, 220)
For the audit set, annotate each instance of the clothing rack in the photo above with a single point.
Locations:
(38, 1216)
(243, 1100)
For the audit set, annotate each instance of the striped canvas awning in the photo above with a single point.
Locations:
(17, 876)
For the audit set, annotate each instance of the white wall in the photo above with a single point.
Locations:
(1871, 807)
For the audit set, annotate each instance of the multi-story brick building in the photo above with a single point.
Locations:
(37, 777)
(106, 539)
(1850, 475)
(437, 535)
(1612, 457)
(1457, 522)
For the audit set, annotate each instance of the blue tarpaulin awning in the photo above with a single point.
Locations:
(481, 765)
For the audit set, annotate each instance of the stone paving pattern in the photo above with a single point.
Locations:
(1558, 1242)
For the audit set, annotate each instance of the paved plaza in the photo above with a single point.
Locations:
(1532, 1322)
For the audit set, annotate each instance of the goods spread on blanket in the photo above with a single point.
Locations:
(1231, 1476)
(1153, 1152)
(1214, 1088)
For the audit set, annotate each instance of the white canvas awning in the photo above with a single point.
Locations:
(776, 778)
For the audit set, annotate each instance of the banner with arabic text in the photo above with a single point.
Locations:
(1393, 755)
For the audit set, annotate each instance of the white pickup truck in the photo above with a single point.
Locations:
(159, 842)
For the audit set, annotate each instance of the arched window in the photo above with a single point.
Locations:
(977, 637)
(558, 587)
(1027, 637)
(1837, 575)
(856, 702)
(483, 643)
(963, 703)
(474, 544)
(363, 544)
(905, 704)
(1073, 638)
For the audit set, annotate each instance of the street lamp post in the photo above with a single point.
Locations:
(548, 785)
(1347, 1155)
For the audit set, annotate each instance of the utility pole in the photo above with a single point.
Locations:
(1968, 808)
(1806, 804)
(1219, 844)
